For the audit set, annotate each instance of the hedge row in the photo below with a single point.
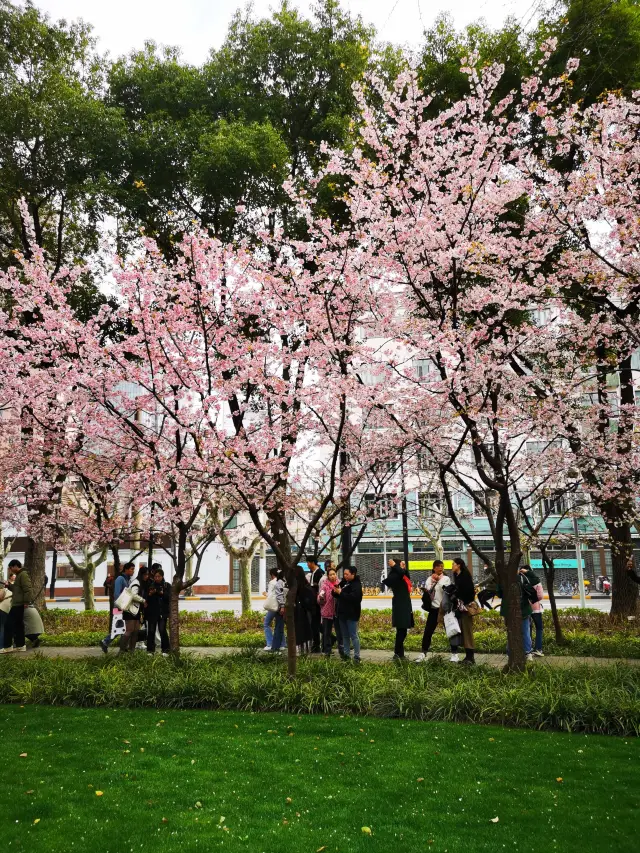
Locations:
(577, 699)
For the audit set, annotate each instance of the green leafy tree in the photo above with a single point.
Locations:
(58, 140)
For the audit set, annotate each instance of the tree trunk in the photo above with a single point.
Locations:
(174, 617)
(438, 547)
(624, 593)
(245, 582)
(289, 615)
(508, 575)
(35, 555)
(88, 580)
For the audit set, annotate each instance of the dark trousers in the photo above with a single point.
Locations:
(316, 625)
(401, 635)
(278, 633)
(484, 597)
(328, 627)
(429, 628)
(14, 627)
(159, 622)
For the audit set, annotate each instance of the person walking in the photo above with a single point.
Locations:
(348, 595)
(131, 615)
(120, 584)
(158, 601)
(330, 622)
(464, 594)
(398, 580)
(534, 584)
(525, 611)
(21, 597)
(432, 602)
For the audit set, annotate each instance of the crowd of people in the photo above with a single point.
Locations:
(326, 613)
(140, 607)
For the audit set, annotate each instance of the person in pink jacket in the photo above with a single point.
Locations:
(327, 604)
(536, 606)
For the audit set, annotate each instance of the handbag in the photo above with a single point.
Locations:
(473, 608)
(123, 601)
(451, 625)
(271, 602)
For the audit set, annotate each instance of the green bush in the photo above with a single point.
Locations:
(578, 698)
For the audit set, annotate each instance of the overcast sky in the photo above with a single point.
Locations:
(197, 25)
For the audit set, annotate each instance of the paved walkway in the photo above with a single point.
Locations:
(369, 655)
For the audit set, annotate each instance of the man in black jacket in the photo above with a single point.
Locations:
(158, 600)
(348, 607)
(315, 576)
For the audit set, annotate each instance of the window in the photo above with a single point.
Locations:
(431, 505)
(554, 504)
(463, 502)
(381, 506)
(423, 367)
(370, 547)
(423, 460)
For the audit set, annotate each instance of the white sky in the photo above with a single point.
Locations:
(197, 25)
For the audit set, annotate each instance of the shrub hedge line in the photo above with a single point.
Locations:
(588, 633)
(577, 699)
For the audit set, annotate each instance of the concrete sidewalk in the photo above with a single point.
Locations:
(368, 655)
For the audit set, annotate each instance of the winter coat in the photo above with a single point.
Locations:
(436, 590)
(401, 608)
(303, 608)
(158, 604)
(349, 601)
(534, 580)
(21, 589)
(32, 622)
(136, 588)
(327, 601)
(5, 599)
(465, 590)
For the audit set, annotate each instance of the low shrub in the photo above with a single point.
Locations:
(577, 699)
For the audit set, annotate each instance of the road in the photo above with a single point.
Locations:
(212, 605)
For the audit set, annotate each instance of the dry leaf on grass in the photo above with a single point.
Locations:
(495, 819)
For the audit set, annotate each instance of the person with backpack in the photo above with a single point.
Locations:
(432, 602)
(348, 609)
(158, 603)
(398, 580)
(21, 597)
(535, 595)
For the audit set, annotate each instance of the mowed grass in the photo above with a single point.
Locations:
(275, 783)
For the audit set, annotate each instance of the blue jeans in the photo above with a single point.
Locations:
(349, 631)
(526, 636)
(269, 616)
(278, 633)
(537, 621)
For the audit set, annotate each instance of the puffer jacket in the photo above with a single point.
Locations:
(327, 601)
(21, 589)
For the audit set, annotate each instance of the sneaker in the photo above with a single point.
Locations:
(454, 659)
(538, 654)
(165, 654)
(35, 643)
(398, 658)
(421, 658)
(6, 651)
(20, 649)
(267, 649)
(529, 658)
(469, 662)
(104, 646)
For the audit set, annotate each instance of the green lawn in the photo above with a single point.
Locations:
(274, 783)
